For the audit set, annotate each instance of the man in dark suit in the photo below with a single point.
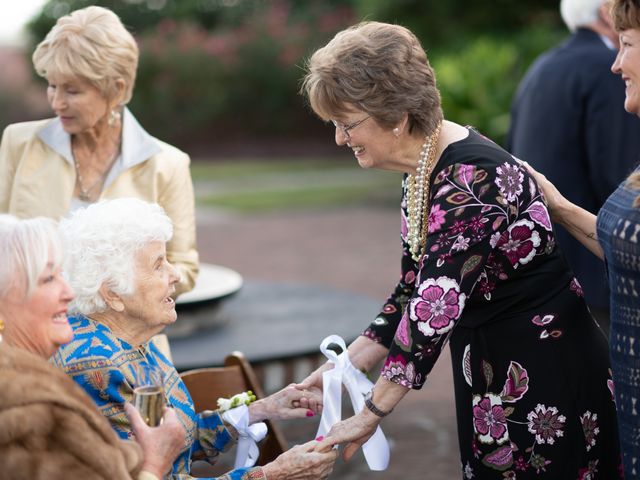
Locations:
(568, 122)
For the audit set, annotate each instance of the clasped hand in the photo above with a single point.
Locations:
(290, 402)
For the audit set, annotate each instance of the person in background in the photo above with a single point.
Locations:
(51, 429)
(116, 262)
(94, 148)
(612, 236)
(480, 269)
(568, 122)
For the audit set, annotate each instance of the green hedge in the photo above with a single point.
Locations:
(211, 73)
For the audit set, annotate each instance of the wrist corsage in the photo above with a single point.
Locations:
(244, 398)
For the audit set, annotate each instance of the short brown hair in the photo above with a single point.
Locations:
(379, 68)
(91, 43)
(625, 14)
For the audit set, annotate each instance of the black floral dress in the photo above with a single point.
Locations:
(531, 370)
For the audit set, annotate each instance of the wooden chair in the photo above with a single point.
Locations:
(206, 385)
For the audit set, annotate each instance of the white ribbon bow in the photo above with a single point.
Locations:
(376, 450)
(247, 452)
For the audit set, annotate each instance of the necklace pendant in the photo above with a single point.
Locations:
(84, 196)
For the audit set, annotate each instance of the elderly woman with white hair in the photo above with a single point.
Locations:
(50, 427)
(94, 148)
(117, 264)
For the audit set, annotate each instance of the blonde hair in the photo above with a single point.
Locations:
(91, 43)
(26, 247)
(379, 68)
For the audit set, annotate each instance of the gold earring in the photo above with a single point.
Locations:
(1, 324)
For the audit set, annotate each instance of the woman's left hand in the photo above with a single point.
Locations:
(355, 430)
(290, 402)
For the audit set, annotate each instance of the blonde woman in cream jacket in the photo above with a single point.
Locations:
(94, 148)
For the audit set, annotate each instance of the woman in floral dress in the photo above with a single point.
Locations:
(480, 269)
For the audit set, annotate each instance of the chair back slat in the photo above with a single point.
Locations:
(206, 385)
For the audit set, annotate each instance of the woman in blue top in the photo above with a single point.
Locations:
(612, 236)
(116, 262)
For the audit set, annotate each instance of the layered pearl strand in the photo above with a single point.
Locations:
(418, 196)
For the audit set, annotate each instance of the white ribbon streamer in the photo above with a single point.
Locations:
(376, 450)
(247, 452)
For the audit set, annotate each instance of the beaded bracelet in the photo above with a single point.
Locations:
(244, 398)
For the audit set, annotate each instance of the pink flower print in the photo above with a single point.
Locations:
(371, 335)
(437, 306)
(458, 227)
(389, 308)
(410, 277)
(519, 242)
(436, 218)
(589, 472)
(402, 332)
(477, 223)
(590, 428)
(576, 288)
(612, 389)
(539, 214)
(461, 244)
(404, 226)
(546, 424)
(489, 419)
(466, 174)
(509, 181)
(542, 321)
(397, 370)
(475, 449)
(521, 464)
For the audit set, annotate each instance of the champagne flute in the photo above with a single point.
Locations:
(148, 394)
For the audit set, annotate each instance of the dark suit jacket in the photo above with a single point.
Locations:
(568, 121)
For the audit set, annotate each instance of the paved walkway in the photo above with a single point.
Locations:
(356, 250)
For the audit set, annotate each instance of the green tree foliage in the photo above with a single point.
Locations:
(234, 66)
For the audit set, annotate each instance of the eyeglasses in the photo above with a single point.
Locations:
(345, 128)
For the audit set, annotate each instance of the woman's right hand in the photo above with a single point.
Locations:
(302, 462)
(555, 201)
(313, 382)
(160, 445)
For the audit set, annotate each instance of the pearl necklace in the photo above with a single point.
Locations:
(418, 196)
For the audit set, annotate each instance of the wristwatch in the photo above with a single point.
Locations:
(368, 402)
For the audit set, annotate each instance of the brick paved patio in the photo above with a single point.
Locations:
(358, 250)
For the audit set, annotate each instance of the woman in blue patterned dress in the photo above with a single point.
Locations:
(480, 269)
(116, 262)
(613, 237)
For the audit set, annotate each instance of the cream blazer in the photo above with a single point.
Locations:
(37, 178)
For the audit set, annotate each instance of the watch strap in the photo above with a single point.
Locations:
(372, 408)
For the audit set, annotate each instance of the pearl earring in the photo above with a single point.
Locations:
(114, 117)
(396, 132)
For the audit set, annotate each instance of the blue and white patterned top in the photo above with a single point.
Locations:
(104, 366)
(619, 236)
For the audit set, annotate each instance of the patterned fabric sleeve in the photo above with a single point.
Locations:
(383, 328)
(473, 211)
(255, 473)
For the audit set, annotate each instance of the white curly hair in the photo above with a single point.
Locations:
(100, 243)
(26, 247)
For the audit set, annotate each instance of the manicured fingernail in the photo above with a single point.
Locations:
(320, 438)
(310, 413)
